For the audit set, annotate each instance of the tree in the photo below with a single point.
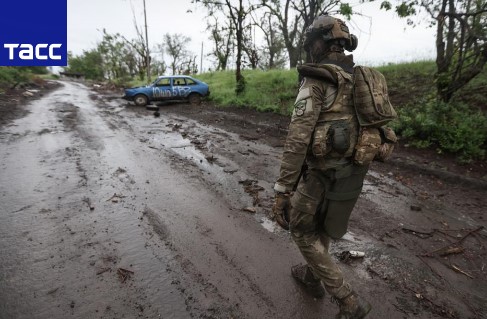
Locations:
(112, 51)
(461, 39)
(250, 48)
(222, 38)
(189, 66)
(158, 66)
(89, 64)
(175, 47)
(136, 53)
(273, 51)
(237, 12)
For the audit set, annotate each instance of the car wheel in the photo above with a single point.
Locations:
(194, 98)
(140, 100)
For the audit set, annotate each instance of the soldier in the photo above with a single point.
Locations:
(320, 181)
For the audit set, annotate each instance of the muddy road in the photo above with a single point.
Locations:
(109, 212)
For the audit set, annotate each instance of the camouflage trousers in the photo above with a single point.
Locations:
(321, 208)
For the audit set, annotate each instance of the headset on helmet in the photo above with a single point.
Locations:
(330, 28)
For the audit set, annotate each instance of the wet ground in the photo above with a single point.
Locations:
(110, 212)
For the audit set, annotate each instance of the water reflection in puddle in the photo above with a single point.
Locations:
(215, 168)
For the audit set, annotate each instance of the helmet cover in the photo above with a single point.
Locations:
(329, 28)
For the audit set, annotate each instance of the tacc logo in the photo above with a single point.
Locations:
(33, 52)
(37, 33)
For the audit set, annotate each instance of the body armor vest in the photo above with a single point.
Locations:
(337, 129)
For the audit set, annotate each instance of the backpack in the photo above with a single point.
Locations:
(370, 98)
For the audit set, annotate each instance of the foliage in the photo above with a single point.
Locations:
(451, 127)
(11, 77)
(137, 53)
(461, 39)
(89, 64)
(221, 37)
(457, 127)
(175, 46)
(237, 12)
(36, 69)
(113, 49)
(273, 52)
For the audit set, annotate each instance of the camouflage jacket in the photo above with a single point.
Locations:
(324, 97)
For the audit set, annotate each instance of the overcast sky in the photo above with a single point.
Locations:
(383, 37)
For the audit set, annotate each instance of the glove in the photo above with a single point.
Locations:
(281, 209)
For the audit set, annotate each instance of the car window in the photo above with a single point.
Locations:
(190, 82)
(179, 81)
(163, 82)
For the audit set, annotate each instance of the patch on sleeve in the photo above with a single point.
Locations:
(303, 103)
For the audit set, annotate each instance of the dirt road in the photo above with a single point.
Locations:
(109, 212)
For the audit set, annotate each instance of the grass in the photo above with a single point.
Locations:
(266, 91)
(459, 127)
(276, 90)
(14, 76)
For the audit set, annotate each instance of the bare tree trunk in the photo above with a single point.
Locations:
(441, 61)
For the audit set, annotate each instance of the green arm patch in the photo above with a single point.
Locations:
(302, 106)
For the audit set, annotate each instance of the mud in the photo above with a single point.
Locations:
(110, 212)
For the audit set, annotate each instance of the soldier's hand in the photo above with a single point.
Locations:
(281, 209)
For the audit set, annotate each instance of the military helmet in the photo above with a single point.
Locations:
(330, 28)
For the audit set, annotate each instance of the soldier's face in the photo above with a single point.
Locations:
(317, 50)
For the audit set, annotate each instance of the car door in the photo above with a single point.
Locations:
(161, 90)
(180, 88)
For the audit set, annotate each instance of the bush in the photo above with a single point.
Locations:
(10, 76)
(35, 69)
(451, 127)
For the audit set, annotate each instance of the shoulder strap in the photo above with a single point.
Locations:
(317, 71)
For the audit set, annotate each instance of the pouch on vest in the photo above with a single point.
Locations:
(331, 136)
(340, 133)
(367, 147)
(321, 145)
(370, 98)
(340, 200)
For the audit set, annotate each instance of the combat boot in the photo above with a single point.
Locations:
(353, 307)
(303, 274)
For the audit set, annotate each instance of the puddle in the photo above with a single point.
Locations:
(388, 194)
(214, 170)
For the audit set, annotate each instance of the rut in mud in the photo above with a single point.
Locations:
(110, 212)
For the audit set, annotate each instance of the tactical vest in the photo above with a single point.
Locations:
(337, 129)
(338, 135)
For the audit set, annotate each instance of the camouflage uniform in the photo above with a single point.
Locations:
(323, 109)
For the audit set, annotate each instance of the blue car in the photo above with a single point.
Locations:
(165, 88)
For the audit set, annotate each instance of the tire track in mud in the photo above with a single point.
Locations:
(203, 298)
(99, 243)
(208, 292)
(161, 230)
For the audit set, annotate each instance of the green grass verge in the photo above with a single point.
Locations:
(266, 91)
